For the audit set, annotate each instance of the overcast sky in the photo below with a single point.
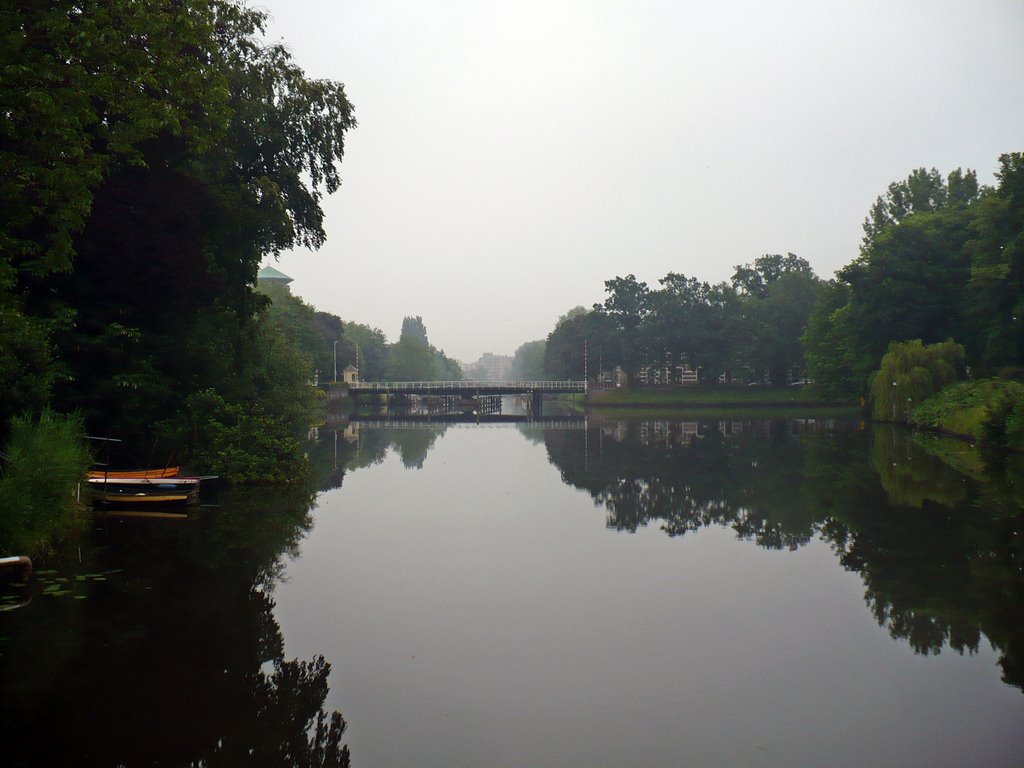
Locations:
(512, 156)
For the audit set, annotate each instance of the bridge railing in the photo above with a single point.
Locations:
(445, 425)
(469, 386)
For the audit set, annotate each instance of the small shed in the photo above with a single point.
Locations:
(350, 375)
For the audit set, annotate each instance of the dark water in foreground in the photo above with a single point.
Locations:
(649, 593)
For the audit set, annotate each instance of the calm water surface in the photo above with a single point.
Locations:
(646, 593)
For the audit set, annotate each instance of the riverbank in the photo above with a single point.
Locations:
(987, 410)
(772, 400)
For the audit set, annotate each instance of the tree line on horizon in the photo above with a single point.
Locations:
(942, 258)
(326, 341)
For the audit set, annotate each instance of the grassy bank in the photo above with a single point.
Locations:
(988, 410)
(775, 401)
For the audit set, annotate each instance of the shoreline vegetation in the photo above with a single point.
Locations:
(698, 397)
(987, 412)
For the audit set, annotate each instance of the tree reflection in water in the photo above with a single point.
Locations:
(938, 542)
(176, 660)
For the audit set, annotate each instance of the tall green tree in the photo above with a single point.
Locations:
(694, 322)
(627, 305)
(580, 342)
(411, 360)
(923, 191)
(414, 328)
(755, 279)
(371, 351)
(909, 281)
(528, 361)
(776, 324)
(161, 299)
(317, 335)
(414, 358)
(446, 368)
(83, 88)
(84, 91)
(776, 295)
(995, 291)
(836, 359)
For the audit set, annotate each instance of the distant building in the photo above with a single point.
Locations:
(350, 375)
(491, 367)
(273, 276)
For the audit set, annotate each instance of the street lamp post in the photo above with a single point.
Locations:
(894, 402)
(335, 361)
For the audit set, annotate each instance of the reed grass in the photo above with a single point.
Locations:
(43, 461)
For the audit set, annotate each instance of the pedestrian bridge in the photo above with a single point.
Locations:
(466, 388)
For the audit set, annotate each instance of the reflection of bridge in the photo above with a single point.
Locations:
(486, 421)
(468, 389)
(446, 419)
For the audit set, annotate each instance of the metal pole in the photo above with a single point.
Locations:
(894, 402)
(335, 361)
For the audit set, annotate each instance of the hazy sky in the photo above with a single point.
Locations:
(512, 156)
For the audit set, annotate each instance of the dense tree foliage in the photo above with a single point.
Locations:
(941, 259)
(995, 292)
(582, 340)
(414, 358)
(316, 335)
(749, 330)
(371, 351)
(528, 361)
(84, 90)
(151, 155)
(923, 191)
(411, 360)
(777, 294)
(835, 356)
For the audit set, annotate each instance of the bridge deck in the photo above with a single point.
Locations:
(468, 388)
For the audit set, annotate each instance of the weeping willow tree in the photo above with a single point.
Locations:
(910, 372)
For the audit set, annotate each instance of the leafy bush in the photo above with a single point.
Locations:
(1004, 424)
(988, 409)
(912, 371)
(43, 462)
(244, 443)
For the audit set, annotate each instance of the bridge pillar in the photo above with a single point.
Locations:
(536, 403)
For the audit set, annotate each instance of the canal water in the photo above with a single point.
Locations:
(739, 592)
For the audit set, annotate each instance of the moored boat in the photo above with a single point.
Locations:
(145, 490)
(134, 473)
